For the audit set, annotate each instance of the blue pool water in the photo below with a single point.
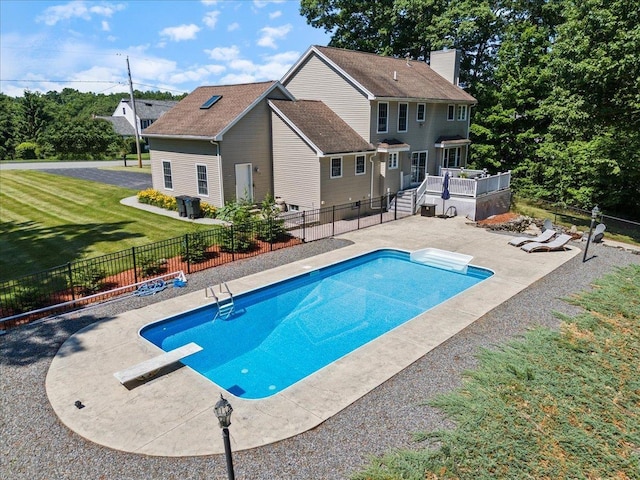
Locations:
(286, 331)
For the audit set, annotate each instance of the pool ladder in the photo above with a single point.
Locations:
(224, 300)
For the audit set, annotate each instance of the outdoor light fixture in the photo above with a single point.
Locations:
(223, 411)
(594, 215)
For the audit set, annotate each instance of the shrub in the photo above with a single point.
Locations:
(157, 199)
(149, 265)
(239, 236)
(194, 248)
(27, 151)
(26, 299)
(271, 228)
(89, 278)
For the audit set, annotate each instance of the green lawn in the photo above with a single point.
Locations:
(554, 405)
(48, 220)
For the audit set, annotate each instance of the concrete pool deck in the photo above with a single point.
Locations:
(172, 414)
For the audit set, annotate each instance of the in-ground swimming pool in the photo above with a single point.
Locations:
(283, 332)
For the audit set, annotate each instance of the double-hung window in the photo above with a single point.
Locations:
(421, 112)
(452, 157)
(203, 182)
(383, 117)
(403, 109)
(393, 160)
(166, 174)
(336, 167)
(451, 113)
(360, 165)
(461, 112)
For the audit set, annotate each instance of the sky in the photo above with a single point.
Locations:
(172, 46)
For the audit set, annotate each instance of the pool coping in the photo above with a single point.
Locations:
(172, 414)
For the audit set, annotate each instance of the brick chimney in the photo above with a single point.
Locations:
(446, 63)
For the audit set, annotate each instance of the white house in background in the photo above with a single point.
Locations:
(341, 126)
(147, 112)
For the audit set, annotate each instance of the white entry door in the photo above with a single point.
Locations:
(244, 182)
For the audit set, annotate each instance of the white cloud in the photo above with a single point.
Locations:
(77, 9)
(233, 26)
(181, 32)
(276, 14)
(208, 2)
(197, 75)
(264, 3)
(223, 54)
(105, 26)
(233, 78)
(269, 35)
(211, 19)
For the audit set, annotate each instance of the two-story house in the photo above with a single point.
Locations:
(341, 126)
(146, 112)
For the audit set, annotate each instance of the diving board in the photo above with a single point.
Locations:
(457, 262)
(150, 367)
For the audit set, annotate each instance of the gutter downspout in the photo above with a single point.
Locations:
(220, 181)
(371, 188)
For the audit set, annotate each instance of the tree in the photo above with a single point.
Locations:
(8, 127)
(35, 115)
(591, 148)
(81, 138)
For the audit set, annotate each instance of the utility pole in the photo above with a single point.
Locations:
(135, 116)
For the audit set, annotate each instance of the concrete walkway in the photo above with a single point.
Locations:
(172, 415)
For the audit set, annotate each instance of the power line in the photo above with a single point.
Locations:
(62, 81)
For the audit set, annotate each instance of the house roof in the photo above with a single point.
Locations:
(188, 120)
(151, 109)
(382, 77)
(120, 124)
(320, 127)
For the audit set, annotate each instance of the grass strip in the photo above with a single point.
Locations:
(562, 404)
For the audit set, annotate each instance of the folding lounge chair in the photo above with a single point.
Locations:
(598, 233)
(559, 243)
(542, 238)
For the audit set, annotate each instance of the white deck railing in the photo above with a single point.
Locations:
(465, 187)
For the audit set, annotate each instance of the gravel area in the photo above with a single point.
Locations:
(35, 445)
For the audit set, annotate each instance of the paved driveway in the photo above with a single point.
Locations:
(134, 180)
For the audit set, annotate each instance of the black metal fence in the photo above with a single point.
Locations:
(67, 286)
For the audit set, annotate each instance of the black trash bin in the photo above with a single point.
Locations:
(182, 207)
(193, 207)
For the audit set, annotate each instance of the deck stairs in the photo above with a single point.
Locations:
(405, 200)
(223, 298)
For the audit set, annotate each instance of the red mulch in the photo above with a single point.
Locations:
(496, 219)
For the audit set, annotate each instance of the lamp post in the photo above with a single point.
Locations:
(223, 411)
(594, 214)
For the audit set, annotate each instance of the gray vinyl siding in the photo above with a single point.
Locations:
(315, 80)
(348, 188)
(419, 137)
(249, 141)
(296, 168)
(183, 156)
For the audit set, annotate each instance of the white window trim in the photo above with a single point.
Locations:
(457, 155)
(355, 168)
(164, 177)
(406, 118)
(451, 108)
(424, 112)
(331, 167)
(206, 172)
(393, 161)
(461, 113)
(386, 130)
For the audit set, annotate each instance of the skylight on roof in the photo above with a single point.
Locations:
(210, 102)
